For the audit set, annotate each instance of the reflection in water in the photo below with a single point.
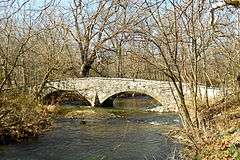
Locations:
(130, 100)
(139, 102)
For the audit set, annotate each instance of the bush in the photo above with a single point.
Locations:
(21, 117)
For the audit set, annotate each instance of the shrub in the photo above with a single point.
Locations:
(21, 117)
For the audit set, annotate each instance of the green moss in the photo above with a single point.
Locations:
(63, 111)
(125, 112)
(118, 112)
(197, 157)
(234, 152)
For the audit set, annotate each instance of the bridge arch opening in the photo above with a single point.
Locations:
(131, 99)
(63, 97)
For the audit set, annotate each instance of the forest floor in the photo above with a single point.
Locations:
(221, 139)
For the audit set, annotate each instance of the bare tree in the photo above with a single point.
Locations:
(90, 29)
(221, 5)
(166, 40)
(14, 45)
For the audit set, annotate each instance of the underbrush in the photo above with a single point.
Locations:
(21, 117)
(214, 146)
(219, 139)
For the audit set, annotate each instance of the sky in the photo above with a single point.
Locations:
(8, 7)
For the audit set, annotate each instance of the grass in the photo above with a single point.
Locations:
(124, 112)
(116, 111)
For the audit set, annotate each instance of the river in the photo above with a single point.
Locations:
(137, 136)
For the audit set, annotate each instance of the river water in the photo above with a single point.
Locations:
(137, 136)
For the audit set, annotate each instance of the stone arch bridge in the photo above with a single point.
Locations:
(98, 89)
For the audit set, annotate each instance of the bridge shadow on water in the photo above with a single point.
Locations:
(60, 97)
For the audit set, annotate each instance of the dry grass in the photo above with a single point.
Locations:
(21, 117)
(220, 140)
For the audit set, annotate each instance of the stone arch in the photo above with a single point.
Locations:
(106, 94)
(60, 96)
(110, 98)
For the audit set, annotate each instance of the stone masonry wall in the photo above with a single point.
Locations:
(163, 91)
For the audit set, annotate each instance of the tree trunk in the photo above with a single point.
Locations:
(235, 3)
(43, 83)
(85, 69)
(119, 67)
(183, 109)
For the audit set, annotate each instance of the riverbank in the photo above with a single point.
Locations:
(220, 139)
(22, 117)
